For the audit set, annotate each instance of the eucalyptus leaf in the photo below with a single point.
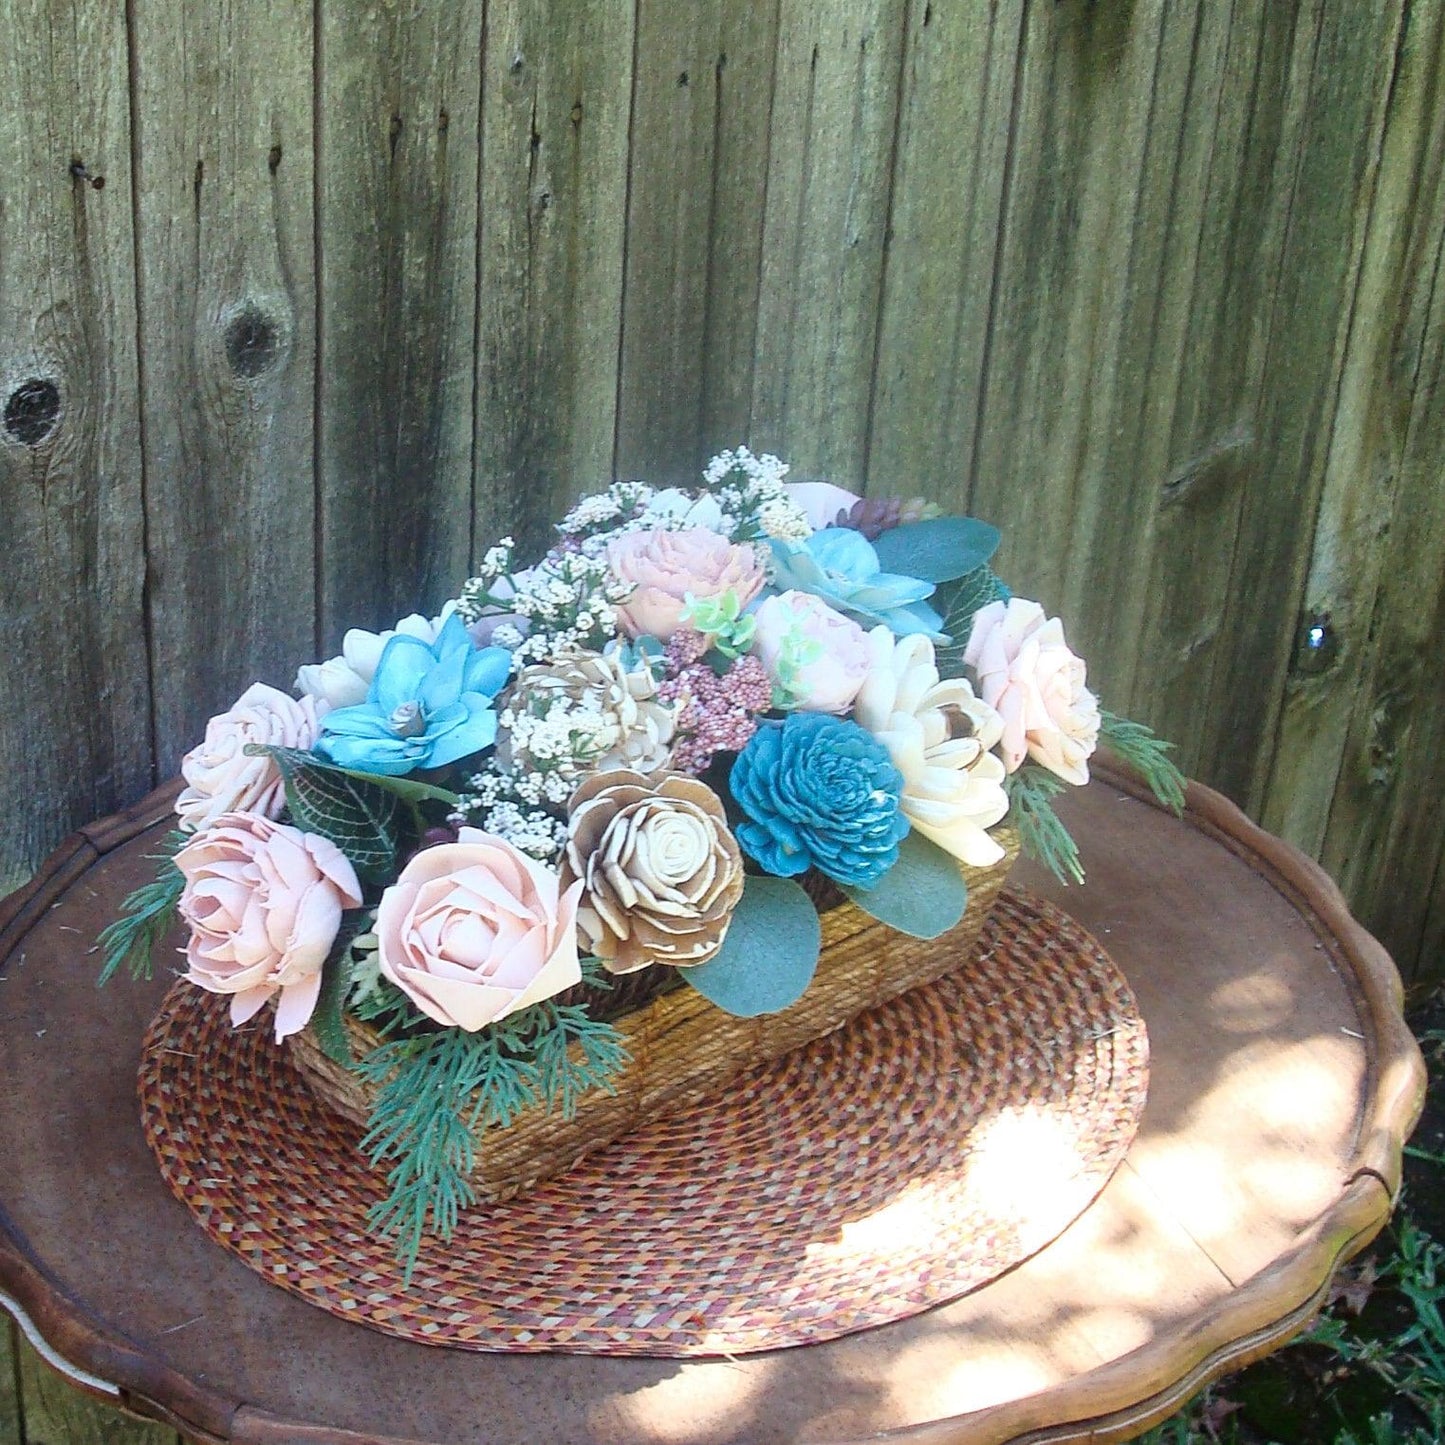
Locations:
(768, 957)
(923, 894)
(937, 550)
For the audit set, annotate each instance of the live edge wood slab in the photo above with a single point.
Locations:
(1283, 1084)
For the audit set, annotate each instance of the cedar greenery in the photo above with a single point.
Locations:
(145, 916)
(1031, 791)
(1146, 753)
(436, 1087)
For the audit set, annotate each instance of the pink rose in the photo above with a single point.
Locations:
(666, 566)
(838, 648)
(264, 903)
(1027, 673)
(222, 778)
(474, 930)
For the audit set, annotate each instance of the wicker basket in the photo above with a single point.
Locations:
(683, 1048)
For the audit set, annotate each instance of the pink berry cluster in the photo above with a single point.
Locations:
(719, 712)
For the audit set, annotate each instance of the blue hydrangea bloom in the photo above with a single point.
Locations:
(819, 792)
(430, 704)
(839, 565)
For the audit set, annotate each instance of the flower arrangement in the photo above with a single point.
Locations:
(628, 757)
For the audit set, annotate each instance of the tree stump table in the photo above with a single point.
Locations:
(1283, 1083)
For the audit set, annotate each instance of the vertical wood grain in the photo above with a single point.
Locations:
(702, 101)
(75, 733)
(960, 76)
(835, 112)
(398, 95)
(56, 1413)
(556, 97)
(223, 107)
(10, 1423)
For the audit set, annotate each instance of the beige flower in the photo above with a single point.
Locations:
(940, 737)
(264, 903)
(661, 873)
(221, 777)
(1026, 671)
(475, 930)
(626, 726)
(668, 567)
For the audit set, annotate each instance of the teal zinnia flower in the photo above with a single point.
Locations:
(819, 792)
(430, 704)
(840, 565)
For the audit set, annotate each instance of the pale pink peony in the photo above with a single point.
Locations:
(1026, 671)
(474, 930)
(222, 778)
(264, 904)
(666, 566)
(830, 681)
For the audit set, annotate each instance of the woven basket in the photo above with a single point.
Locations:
(682, 1047)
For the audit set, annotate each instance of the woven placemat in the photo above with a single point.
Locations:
(900, 1162)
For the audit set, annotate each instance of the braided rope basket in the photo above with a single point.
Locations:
(682, 1047)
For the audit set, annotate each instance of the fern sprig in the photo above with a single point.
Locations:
(146, 916)
(1031, 791)
(1147, 754)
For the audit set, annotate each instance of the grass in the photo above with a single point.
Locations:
(1371, 1369)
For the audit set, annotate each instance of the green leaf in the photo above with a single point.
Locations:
(1147, 754)
(959, 601)
(937, 550)
(1043, 837)
(145, 917)
(353, 812)
(923, 894)
(768, 957)
(409, 790)
(336, 973)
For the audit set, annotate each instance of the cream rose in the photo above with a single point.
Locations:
(221, 777)
(829, 680)
(665, 567)
(475, 930)
(264, 903)
(1026, 671)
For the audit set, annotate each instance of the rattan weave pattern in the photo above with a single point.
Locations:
(910, 1157)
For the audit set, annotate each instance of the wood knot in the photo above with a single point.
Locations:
(252, 343)
(32, 411)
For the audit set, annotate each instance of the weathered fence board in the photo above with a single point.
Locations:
(396, 181)
(553, 212)
(72, 541)
(223, 113)
(9, 1385)
(57, 1414)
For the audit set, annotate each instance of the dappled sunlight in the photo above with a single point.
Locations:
(1020, 1155)
(703, 1399)
(1253, 1004)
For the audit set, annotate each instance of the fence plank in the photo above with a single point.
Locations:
(56, 1413)
(835, 112)
(553, 208)
(961, 70)
(227, 299)
(397, 224)
(75, 740)
(702, 100)
(10, 1424)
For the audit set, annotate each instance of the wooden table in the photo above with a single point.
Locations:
(1283, 1083)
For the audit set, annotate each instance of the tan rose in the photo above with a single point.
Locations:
(222, 778)
(661, 873)
(1027, 673)
(264, 903)
(665, 567)
(475, 930)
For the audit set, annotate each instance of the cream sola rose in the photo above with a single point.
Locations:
(264, 903)
(221, 777)
(940, 737)
(1026, 671)
(474, 930)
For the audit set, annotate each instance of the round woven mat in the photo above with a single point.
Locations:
(900, 1162)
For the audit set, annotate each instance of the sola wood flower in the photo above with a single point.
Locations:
(939, 736)
(264, 904)
(475, 930)
(666, 568)
(1026, 671)
(660, 872)
(222, 778)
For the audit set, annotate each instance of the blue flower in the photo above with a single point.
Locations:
(429, 705)
(839, 565)
(819, 792)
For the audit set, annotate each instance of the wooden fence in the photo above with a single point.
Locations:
(302, 301)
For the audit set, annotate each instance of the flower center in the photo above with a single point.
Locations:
(407, 720)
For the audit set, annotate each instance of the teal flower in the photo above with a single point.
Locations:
(430, 704)
(819, 792)
(840, 566)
